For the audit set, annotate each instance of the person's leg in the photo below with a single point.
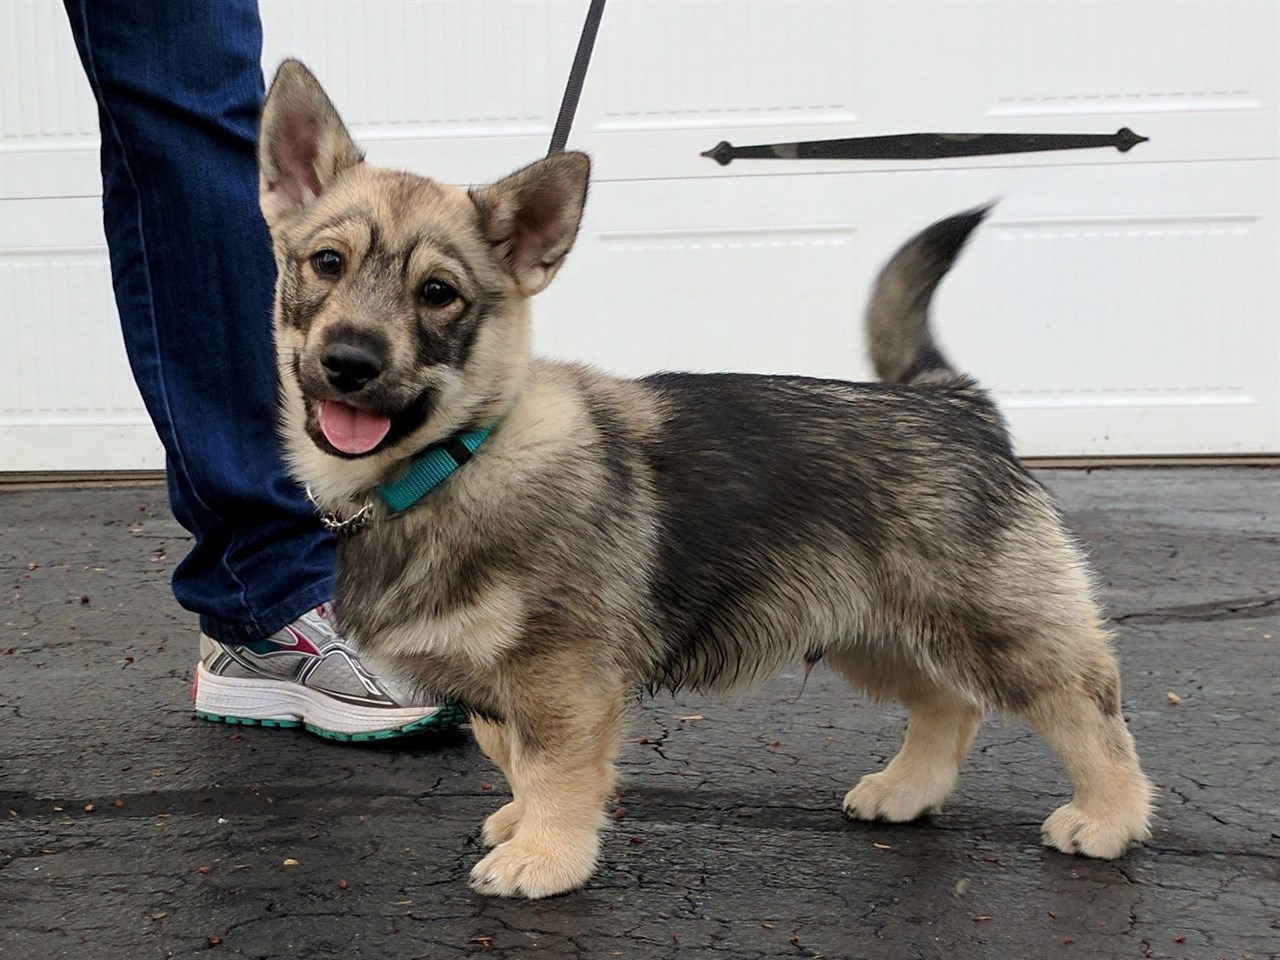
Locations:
(179, 87)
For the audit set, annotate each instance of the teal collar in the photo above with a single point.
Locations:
(431, 468)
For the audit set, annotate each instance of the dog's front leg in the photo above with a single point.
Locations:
(560, 766)
(495, 740)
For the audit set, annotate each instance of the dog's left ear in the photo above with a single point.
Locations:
(303, 146)
(531, 217)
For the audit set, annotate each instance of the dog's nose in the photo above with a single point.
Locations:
(349, 367)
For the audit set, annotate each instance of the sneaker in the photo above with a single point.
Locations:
(307, 676)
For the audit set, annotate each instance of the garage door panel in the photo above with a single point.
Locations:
(664, 66)
(1122, 302)
(483, 67)
(677, 153)
(47, 102)
(63, 293)
(465, 92)
(1118, 304)
(1094, 58)
(72, 404)
(1082, 293)
(882, 68)
(712, 299)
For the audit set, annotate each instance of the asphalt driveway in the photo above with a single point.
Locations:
(130, 830)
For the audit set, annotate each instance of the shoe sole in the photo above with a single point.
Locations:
(283, 705)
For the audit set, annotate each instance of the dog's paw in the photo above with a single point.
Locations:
(518, 868)
(881, 796)
(501, 825)
(1072, 830)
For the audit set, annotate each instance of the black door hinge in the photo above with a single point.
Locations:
(924, 146)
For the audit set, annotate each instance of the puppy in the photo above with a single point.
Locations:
(538, 541)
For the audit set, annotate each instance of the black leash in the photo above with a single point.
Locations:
(573, 90)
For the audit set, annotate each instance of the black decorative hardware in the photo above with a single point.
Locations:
(924, 146)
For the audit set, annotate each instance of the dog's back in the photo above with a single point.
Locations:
(803, 517)
(798, 515)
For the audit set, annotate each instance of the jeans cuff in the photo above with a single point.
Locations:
(268, 621)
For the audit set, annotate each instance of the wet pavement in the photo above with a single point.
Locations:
(130, 830)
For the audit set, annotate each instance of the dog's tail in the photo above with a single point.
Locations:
(902, 348)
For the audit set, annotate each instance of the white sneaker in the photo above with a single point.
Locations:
(307, 676)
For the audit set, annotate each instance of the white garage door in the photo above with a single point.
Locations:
(1118, 304)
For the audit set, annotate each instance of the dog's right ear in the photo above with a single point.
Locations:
(531, 217)
(302, 144)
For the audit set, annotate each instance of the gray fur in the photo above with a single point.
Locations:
(901, 343)
(681, 531)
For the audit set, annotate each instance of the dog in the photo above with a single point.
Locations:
(538, 541)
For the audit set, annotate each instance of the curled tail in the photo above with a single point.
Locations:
(902, 348)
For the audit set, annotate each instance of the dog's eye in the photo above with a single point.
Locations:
(437, 293)
(327, 263)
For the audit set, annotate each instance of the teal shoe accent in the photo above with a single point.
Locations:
(447, 717)
(248, 721)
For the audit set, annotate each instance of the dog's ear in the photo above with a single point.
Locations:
(302, 145)
(531, 217)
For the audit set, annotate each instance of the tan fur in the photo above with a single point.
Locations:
(547, 839)
(940, 729)
(887, 531)
(501, 354)
(481, 632)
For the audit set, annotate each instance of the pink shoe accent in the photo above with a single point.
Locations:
(300, 643)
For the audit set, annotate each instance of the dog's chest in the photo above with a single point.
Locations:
(410, 597)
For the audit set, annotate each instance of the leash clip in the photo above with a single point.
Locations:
(337, 524)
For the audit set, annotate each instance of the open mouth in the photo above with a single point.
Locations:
(349, 429)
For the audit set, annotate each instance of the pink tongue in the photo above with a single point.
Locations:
(352, 430)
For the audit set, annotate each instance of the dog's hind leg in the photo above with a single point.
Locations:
(561, 772)
(940, 727)
(915, 783)
(495, 740)
(1082, 721)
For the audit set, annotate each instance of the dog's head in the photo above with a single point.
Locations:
(401, 303)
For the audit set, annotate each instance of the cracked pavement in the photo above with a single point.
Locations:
(130, 830)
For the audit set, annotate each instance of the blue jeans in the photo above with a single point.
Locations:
(179, 87)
